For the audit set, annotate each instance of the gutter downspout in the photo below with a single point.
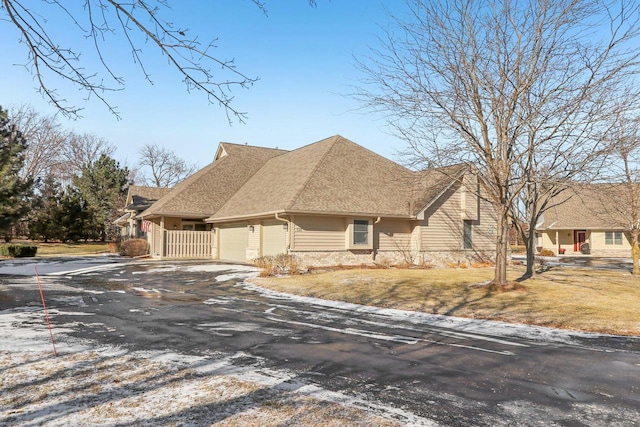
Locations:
(374, 252)
(286, 221)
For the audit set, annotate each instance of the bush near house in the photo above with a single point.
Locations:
(18, 251)
(279, 264)
(134, 247)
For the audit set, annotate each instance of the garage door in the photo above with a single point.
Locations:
(233, 242)
(274, 238)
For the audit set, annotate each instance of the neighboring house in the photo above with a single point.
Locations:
(138, 199)
(595, 214)
(327, 203)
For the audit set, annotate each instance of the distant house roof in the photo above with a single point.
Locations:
(141, 197)
(588, 206)
(333, 176)
(204, 192)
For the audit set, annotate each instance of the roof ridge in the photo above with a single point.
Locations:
(251, 146)
(332, 144)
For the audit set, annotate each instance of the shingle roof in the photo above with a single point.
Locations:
(335, 176)
(431, 183)
(141, 197)
(204, 192)
(588, 206)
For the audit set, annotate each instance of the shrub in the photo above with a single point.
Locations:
(547, 252)
(18, 251)
(278, 264)
(518, 249)
(134, 247)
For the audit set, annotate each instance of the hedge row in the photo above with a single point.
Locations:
(18, 251)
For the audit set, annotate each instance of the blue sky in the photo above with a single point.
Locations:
(303, 57)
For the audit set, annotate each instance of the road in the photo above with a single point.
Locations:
(452, 371)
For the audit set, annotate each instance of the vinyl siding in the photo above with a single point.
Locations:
(392, 235)
(485, 229)
(469, 196)
(442, 229)
(442, 226)
(253, 238)
(318, 233)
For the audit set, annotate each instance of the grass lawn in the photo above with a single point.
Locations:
(590, 300)
(89, 248)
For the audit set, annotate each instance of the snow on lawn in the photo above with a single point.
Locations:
(90, 385)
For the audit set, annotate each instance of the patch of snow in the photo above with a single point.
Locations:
(475, 327)
(87, 385)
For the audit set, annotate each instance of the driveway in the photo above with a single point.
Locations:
(431, 370)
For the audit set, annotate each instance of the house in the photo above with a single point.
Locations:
(138, 199)
(183, 211)
(330, 202)
(595, 214)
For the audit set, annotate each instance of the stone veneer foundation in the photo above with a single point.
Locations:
(387, 258)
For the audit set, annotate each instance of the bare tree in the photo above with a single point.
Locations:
(139, 24)
(497, 83)
(46, 140)
(82, 151)
(165, 168)
(623, 200)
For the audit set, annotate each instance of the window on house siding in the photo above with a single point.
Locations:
(466, 236)
(613, 237)
(360, 232)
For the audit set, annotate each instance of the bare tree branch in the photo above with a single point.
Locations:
(520, 90)
(138, 22)
(165, 168)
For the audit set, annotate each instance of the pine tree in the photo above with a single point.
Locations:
(14, 191)
(44, 223)
(103, 186)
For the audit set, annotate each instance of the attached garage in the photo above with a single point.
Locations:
(274, 238)
(233, 242)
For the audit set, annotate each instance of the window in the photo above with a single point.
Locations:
(466, 235)
(613, 237)
(360, 232)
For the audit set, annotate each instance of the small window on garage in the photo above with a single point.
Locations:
(360, 232)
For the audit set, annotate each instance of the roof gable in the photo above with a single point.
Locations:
(204, 192)
(141, 197)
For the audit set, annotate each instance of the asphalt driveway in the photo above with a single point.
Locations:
(443, 370)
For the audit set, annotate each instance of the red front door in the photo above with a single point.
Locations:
(579, 237)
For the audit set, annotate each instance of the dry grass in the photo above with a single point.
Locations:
(51, 249)
(579, 299)
(89, 389)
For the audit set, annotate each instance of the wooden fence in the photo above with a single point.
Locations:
(183, 244)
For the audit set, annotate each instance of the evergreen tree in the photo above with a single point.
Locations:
(103, 185)
(77, 221)
(14, 191)
(44, 221)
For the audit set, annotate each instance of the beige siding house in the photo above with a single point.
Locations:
(330, 202)
(587, 219)
(139, 198)
(177, 219)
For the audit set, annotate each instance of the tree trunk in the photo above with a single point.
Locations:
(531, 257)
(502, 244)
(635, 252)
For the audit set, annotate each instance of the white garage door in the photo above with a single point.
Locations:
(233, 242)
(274, 238)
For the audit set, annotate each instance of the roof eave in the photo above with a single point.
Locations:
(287, 212)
